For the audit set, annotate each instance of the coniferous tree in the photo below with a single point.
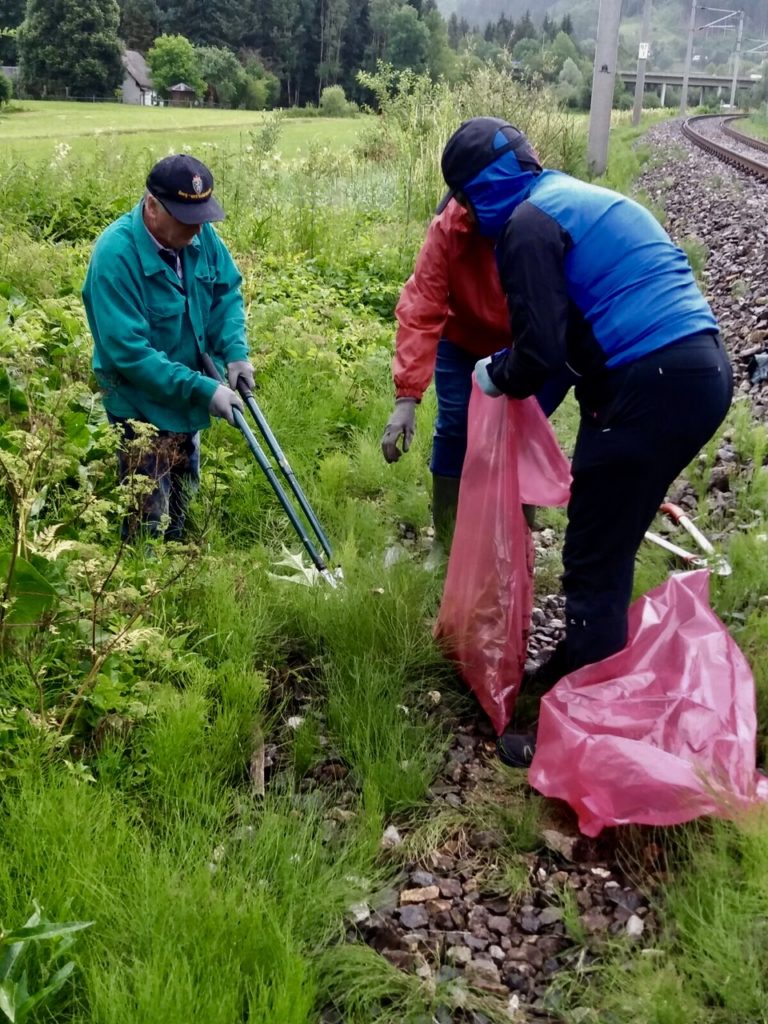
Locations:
(333, 20)
(353, 56)
(308, 39)
(141, 22)
(213, 23)
(278, 36)
(11, 17)
(454, 32)
(504, 29)
(566, 25)
(524, 29)
(70, 47)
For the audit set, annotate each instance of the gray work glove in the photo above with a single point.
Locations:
(223, 402)
(402, 423)
(483, 378)
(240, 368)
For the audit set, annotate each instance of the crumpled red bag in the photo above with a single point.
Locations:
(485, 615)
(660, 732)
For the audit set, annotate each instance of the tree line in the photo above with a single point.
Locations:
(263, 53)
(251, 53)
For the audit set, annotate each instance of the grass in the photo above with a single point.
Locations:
(173, 920)
(756, 124)
(35, 128)
(217, 800)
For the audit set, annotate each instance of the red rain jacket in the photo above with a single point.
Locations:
(454, 293)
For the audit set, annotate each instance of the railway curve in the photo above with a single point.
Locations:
(714, 134)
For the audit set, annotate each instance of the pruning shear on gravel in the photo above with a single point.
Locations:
(710, 560)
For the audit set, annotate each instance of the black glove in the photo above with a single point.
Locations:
(402, 423)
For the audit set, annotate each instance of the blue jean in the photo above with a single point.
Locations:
(173, 462)
(453, 385)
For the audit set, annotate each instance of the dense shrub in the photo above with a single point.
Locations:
(334, 103)
(6, 89)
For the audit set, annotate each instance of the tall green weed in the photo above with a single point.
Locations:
(417, 117)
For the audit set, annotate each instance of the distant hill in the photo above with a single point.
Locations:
(669, 29)
(583, 13)
(478, 12)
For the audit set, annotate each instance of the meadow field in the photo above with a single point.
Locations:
(200, 755)
(39, 127)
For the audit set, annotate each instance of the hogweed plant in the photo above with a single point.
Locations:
(73, 597)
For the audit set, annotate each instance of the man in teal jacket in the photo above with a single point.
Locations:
(161, 289)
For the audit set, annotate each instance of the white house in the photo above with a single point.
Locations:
(137, 83)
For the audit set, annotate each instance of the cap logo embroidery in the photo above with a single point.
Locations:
(197, 184)
(194, 195)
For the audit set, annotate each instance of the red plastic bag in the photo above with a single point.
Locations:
(663, 730)
(484, 619)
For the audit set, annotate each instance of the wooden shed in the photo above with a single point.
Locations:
(182, 95)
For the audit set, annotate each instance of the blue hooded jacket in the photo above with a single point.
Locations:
(592, 279)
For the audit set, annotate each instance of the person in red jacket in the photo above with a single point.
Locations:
(450, 313)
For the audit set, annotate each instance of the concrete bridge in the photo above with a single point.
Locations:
(696, 80)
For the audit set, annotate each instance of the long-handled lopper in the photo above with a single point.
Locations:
(247, 395)
(720, 565)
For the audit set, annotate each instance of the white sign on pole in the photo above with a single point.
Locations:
(644, 51)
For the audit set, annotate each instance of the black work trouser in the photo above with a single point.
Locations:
(641, 424)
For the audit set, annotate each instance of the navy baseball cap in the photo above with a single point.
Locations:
(474, 145)
(184, 187)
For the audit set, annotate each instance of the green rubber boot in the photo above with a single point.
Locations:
(445, 501)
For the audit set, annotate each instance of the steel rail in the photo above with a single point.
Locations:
(729, 156)
(742, 137)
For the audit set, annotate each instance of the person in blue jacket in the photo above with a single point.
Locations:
(595, 284)
(162, 289)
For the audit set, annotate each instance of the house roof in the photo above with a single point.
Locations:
(181, 87)
(136, 67)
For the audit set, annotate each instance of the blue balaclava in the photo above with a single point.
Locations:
(494, 167)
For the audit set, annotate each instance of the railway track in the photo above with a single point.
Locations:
(715, 134)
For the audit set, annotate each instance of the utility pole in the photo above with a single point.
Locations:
(603, 77)
(688, 56)
(736, 56)
(643, 53)
(728, 15)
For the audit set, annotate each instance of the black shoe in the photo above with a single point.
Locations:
(516, 749)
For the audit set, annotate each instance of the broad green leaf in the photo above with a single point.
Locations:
(77, 430)
(10, 394)
(32, 595)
